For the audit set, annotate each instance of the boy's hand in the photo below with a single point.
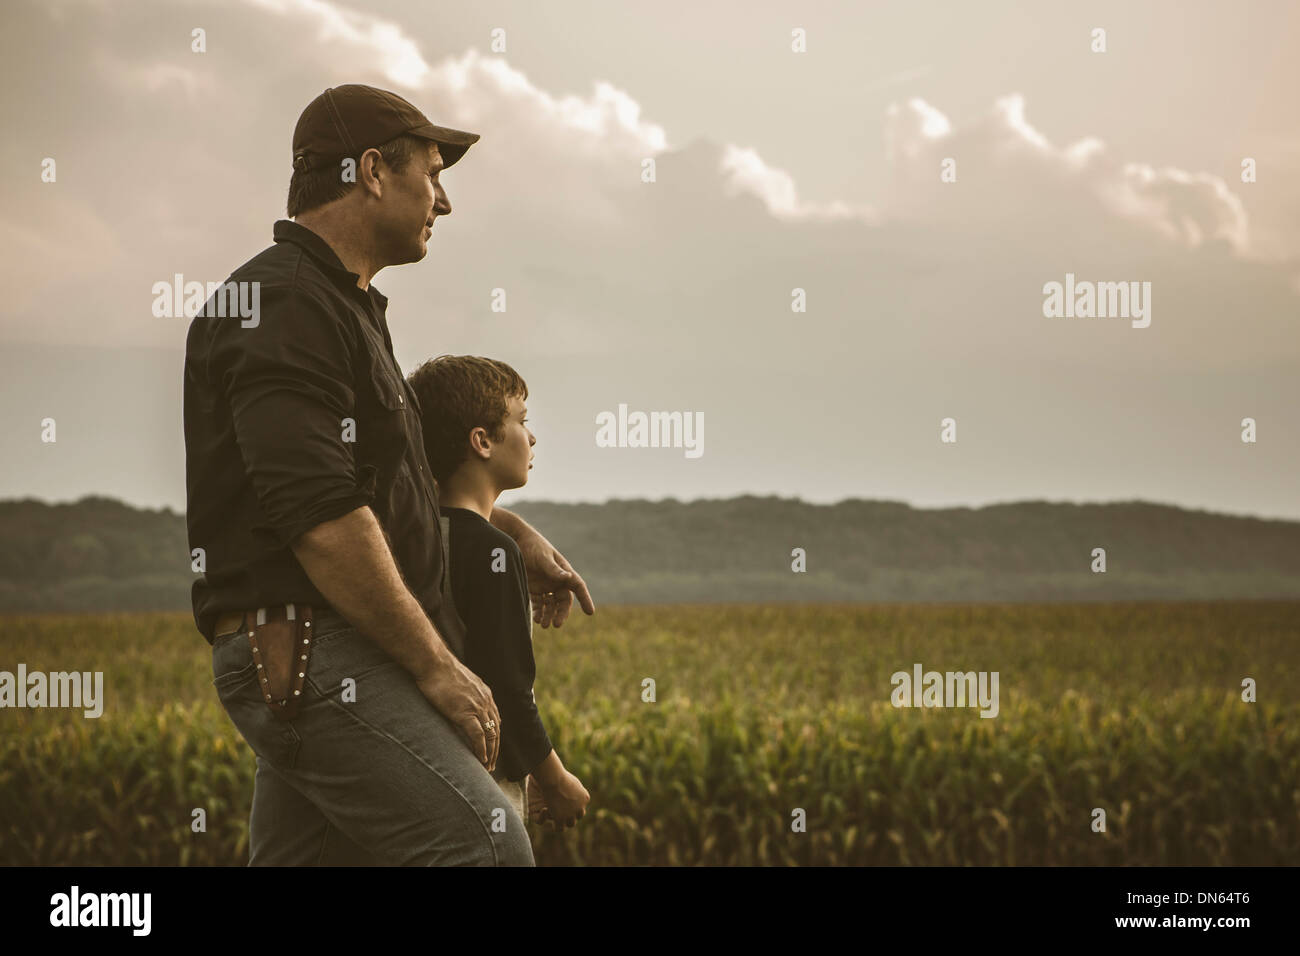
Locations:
(537, 810)
(552, 582)
(565, 802)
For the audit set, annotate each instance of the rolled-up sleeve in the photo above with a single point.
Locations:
(289, 383)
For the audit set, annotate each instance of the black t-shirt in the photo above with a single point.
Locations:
(490, 592)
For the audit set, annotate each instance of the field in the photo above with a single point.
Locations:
(1134, 708)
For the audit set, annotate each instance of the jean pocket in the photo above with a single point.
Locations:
(235, 676)
(326, 626)
(232, 659)
(273, 739)
(347, 654)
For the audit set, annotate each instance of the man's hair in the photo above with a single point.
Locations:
(312, 188)
(457, 394)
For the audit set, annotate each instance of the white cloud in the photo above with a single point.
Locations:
(396, 54)
(1185, 206)
(1002, 151)
(745, 171)
(480, 86)
(485, 88)
(1008, 161)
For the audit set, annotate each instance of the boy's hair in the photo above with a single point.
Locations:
(311, 188)
(457, 394)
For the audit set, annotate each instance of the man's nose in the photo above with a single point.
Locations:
(441, 204)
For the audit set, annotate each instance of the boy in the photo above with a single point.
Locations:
(478, 446)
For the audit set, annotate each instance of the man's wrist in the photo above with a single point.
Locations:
(433, 658)
(511, 524)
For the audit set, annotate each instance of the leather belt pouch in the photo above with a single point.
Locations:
(280, 638)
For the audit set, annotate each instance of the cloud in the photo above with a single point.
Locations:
(479, 88)
(1187, 207)
(397, 55)
(746, 172)
(553, 189)
(1013, 162)
(476, 84)
(912, 128)
(1001, 150)
(489, 90)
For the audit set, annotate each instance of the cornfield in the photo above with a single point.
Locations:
(760, 711)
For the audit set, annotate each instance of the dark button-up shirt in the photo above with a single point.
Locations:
(297, 418)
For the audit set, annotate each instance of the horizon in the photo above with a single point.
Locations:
(527, 502)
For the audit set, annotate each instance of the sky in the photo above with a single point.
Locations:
(920, 171)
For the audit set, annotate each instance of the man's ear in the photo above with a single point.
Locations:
(369, 174)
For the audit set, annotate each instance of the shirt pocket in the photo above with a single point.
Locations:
(382, 434)
(390, 392)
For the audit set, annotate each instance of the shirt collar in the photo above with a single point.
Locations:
(286, 230)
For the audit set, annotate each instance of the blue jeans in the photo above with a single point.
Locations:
(384, 779)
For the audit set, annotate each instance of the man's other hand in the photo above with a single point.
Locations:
(552, 582)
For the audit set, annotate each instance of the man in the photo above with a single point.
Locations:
(325, 595)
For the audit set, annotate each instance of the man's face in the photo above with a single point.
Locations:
(411, 200)
(512, 456)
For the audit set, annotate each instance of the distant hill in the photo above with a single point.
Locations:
(99, 554)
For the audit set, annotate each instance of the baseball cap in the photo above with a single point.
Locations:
(347, 120)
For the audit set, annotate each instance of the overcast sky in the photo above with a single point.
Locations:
(775, 170)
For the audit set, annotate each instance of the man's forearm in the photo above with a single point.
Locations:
(349, 562)
(510, 523)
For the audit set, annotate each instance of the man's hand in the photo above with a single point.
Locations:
(552, 582)
(349, 561)
(459, 695)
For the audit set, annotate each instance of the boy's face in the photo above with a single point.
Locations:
(512, 456)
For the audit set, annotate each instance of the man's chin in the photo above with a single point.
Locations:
(416, 254)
